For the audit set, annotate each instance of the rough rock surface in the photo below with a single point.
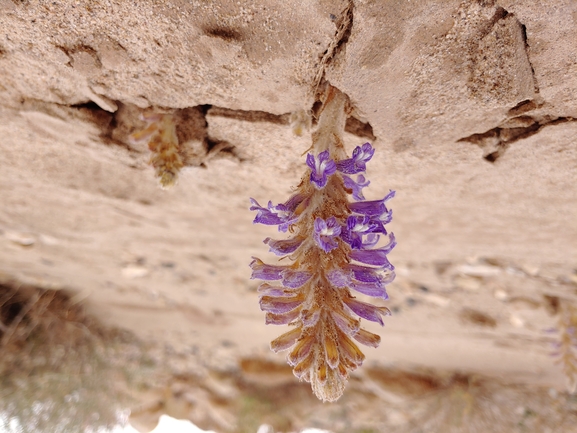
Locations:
(473, 109)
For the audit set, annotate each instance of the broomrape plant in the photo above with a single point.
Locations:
(333, 252)
(160, 134)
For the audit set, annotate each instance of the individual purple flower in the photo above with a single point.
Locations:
(370, 241)
(272, 215)
(284, 246)
(281, 305)
(372, 207)
(356, 164)
(295, 279)
(367, 311)
(262, 271)
(381, 220)
(326, 233)
(282, 214)
(376, 257)
(364, 273)
(356, 186)
(321, 168)
(356, 227)
(371, 289)
(376, 288)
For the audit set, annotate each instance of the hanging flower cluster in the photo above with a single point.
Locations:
(333, 252)
(160, 135)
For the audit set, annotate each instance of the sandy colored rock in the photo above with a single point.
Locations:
(474, 110)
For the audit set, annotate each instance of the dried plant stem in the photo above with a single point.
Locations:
(14, 325)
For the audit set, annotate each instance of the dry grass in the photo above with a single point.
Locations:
(60, 371)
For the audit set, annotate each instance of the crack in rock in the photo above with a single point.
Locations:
(195, 146)
(527, 50)
(344, 27)
(500, 67)
(496, 141)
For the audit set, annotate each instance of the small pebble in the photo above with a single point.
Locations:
(20, 238)
(134, 272)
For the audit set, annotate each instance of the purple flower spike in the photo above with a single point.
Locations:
(322, 167)
(283, 247)
(367, 311)
(326, 232)
(356, 187)
(356, 164)
(333, 254)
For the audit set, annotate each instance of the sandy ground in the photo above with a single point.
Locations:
(473, 110)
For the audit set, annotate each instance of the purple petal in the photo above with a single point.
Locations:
(356, 227)
(367, 311)
(376, 257)
(356, 187)
(262, 271)
(321, 168)
(326, 233)
(283, 247)
(371, 289)
(339, 278)
(286, 225)
(264, 215)
(380, 221)
(294, 279)
(372, 207)
(280, 305)
(364, 274)
(371, 240)
(345, 323)
(356, 164)
(292, 203)
(281, 214)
